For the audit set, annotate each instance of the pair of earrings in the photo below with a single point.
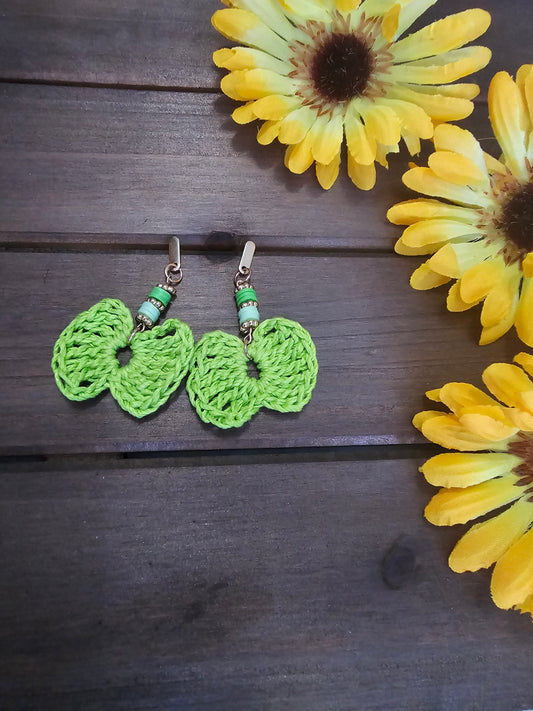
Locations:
(85, 359)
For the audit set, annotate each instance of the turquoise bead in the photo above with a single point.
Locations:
(248, 313)
(149, 310)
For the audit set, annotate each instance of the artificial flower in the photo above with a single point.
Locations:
(480, 232)
(491, 473)
(319, 71)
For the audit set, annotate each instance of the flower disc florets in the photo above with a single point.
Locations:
(319, 72)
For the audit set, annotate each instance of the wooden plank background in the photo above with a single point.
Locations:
(163, 564)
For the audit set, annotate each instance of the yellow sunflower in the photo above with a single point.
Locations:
(491, 472)
(482, 235)
(317, 71)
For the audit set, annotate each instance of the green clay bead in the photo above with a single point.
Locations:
(248, 313)
(160, 295)
(243, 295)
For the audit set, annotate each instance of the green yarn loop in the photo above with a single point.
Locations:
(223, 393)
(85, 359)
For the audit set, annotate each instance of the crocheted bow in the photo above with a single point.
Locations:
(85, 359)
(223, 392)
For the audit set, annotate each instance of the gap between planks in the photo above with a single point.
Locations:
(78, 463)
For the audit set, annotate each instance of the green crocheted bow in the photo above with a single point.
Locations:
(85, 359)
(225, 395)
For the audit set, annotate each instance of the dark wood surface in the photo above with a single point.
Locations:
(166, 565)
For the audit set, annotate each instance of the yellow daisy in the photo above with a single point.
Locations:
(481, 235)
(491, 473)
(316, 71)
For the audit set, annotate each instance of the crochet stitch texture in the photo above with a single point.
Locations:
(85, 359)
(223, 393)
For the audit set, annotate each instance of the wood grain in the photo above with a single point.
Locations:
(106, 161)
(280, 567)
(164, 43)
(168, 43)
(380, 345)
(314, 586)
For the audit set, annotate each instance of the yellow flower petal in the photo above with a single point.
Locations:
(443, 68)
(459, 91)
(274, 107)
(268, 132)
(444, 35)
(508, 383)
(403, 249)
(410, 211)
(527, 265)
(433, 394)
(295, 126)
(326, 137)
(244, 114)
(243, 26)
(273, 17)
(361, 146)
(488, 422)
(520, 419)
(437, 231)
(381, 122)
(410, 12)
(524, 79)
(493, 165)
(489, 334)
(461, 469)
(452, 506)
(487, 542)
(308, 9)
(512, 579)
(456, 168)
(298, 157)
(524, 313)
(425, 278)
(502, 299)
(454, 302)
(526, 606)
(457, 396)
(454, 259)
(526, 361)
(364, 176)
(439, 106)
(391, 21)
(248, 58)
(327, 174)
(413, 119)
(422, 417)
(424, 181)
(347, 5)
(477, 281)
(459, 140)
(447, 431)
(509, 119)
(249, 84)
(412, 142)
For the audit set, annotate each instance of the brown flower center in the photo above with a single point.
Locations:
(523, 448)
(342, 67)
(517, 218)
(336, 63)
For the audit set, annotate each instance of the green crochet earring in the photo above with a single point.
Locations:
(219, 386)
(85, 361)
